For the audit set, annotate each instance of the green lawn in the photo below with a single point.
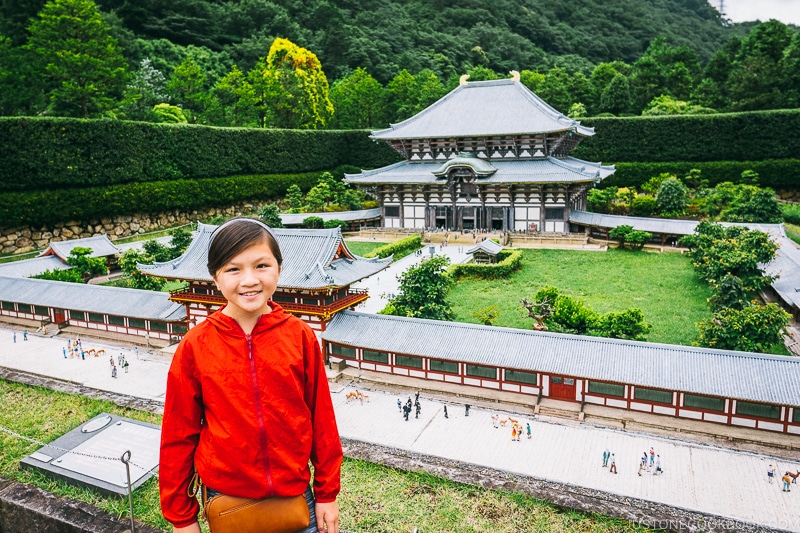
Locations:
(374, 499)
(362, 247)
(664, 286)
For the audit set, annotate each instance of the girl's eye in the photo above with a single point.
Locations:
(263, 265)
(232, 269)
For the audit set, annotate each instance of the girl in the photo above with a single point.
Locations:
(247, 401)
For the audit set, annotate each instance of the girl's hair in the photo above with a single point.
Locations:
(236, 235)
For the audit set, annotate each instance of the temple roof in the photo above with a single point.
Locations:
(133, 303)
(550, 170)
(100, 244)
(484, 108)
(488, 246)
(312, 259)
(27, 268)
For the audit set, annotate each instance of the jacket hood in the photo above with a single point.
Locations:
(228, 326)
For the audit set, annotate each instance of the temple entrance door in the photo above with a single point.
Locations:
(442, 217)
(562, 388)
(497, 215)
(59, 316)
(467, 218)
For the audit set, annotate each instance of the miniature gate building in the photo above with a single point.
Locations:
(315, 280)
(488, 155)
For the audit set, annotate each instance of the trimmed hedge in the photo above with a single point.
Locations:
(398, 249)
(54, 153)
(791, 213)
(510, 261)
(38, 208)
(775, 173)
(755, 135)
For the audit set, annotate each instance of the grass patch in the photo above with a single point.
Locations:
(374, 499)
(664, 286)
(363, 247)
(792, 231)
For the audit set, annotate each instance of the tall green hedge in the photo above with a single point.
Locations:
(398, 249)
(54, 153)
(751, 136)
(45, 207)
(509, 262)
(778, 174)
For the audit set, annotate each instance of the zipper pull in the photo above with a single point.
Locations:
(249, 346)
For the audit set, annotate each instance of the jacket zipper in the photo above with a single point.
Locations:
(260, 415)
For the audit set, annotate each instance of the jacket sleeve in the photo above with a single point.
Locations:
(180, 433)
(326, 448)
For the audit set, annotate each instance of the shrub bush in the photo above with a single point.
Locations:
(791, 213)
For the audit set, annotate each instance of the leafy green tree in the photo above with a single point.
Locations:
(84, 71)
(599, 200)
(672, 197)
(667, 105)
(573, 315)
(409, 94)
(626, 235)
(237, 98)
(180, 240)
(135, 278)
(627, 324)
(294, 197)
(616, 97)
(270, 215)
(789, 69)
(169, 114)
(147, 88)
(717, 251)
(423, 290)
(643, 206)
(69, 275)
(359, 100)
(313, 223)
(620, 233)
(157, 251)
(88, 267)
(318, 197)
(335, 223)
(291, 87)
(730, 292)
(755, 78)
(187, 85)
(755, 205)
(488, 315)
(755, 328)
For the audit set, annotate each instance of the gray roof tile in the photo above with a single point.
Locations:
(550, 170)
(308, 260)
(345, 216)
(100, 244)
(741, 375)
(151, 305)
(482, 108)
(32, 267)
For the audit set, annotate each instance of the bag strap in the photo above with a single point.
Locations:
(195, 483)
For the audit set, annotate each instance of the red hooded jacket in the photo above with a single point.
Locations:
(248, 411)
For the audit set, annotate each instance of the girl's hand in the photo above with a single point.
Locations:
(327, 516)
(194, 528)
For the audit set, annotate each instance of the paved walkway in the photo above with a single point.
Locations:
(387, 281)
(697, 477)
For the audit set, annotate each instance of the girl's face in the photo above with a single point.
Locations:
(248, 281)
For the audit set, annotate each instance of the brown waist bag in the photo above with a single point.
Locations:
(229, 514)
